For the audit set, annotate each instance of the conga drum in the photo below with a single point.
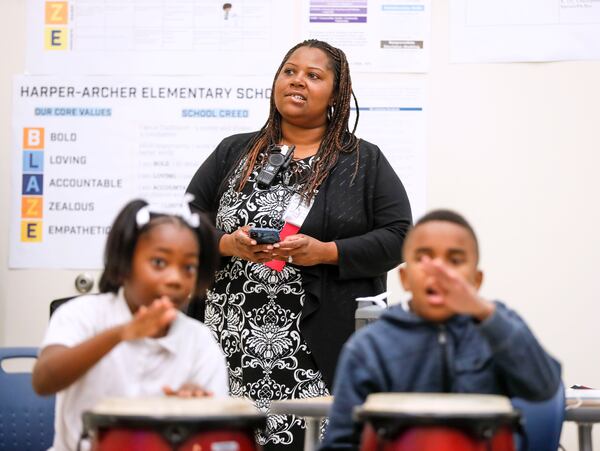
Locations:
(437, 421)
(171, 423)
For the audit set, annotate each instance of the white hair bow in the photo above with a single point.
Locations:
(182, 210)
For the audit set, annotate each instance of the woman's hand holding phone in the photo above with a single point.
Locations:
(264, 235)
(305, 250)
(239, 244)
(260, 245)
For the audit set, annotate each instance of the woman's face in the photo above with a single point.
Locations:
(304, 88)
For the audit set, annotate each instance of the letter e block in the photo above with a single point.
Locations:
(56, 38)
(31, 231)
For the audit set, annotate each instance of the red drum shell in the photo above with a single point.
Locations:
(438, 438)
(415, 423)
(183, 432)
(116, 439)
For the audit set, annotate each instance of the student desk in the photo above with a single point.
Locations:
(312, 409)
(585, 413)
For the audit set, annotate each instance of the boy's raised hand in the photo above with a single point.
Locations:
(457, 293)
(150, 321)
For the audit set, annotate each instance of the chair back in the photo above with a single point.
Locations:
(58, 302)
(542, 421)
(26, 419)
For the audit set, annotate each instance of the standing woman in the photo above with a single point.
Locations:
(282, 330)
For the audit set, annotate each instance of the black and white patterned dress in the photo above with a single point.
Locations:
(254, 311)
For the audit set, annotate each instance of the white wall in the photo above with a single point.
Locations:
(514, 147)
(24, 294)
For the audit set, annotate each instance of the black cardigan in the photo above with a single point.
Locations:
(367, 218)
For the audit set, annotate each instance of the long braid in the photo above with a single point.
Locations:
(337, 138)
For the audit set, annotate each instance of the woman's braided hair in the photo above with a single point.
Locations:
(337, 137)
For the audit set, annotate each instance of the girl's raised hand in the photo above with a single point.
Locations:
(150, 321)
(188, 390)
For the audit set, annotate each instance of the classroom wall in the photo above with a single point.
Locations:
(514, 147)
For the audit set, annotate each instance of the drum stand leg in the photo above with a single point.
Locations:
(585, 436)
(312, 435)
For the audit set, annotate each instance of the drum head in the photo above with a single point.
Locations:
(453, 404)
(481, 415)
(174, 418)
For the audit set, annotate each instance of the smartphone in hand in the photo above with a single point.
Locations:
(264, 235)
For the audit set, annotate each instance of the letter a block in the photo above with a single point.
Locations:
(33, 184)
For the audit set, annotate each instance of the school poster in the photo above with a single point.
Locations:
(84, 146)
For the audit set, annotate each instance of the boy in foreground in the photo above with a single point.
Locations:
(450, 339)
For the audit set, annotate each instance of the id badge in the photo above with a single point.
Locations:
(297, 210)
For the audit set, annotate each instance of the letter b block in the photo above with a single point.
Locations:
(33, 138)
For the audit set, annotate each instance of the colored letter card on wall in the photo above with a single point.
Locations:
(85, 146)
(171, 37)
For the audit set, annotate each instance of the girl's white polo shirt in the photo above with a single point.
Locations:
(188, 353)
